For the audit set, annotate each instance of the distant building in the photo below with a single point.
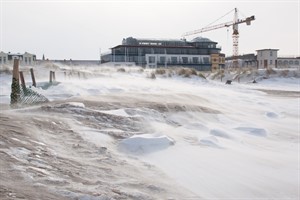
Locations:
(3, 58)
(246, 60)
(28, 59)
(12, 56)
(267, 58)
(217, 61)
(25, 59)
(197, 53)
(286, 62)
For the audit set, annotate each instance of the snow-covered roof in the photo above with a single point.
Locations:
(267, 50)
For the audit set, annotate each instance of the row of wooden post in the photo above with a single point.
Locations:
(17, 75)
(32, 77)
(52, 76)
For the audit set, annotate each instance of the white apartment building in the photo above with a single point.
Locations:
(266, 58)
(28, 59)
(3, 58)
(25, 59)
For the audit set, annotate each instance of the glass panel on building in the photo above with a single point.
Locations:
(151, 59)
(206, 60)
(173, 60)
(162, 59)
(185, 60)
(195, 60)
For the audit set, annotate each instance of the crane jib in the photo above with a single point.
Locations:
(235, 34)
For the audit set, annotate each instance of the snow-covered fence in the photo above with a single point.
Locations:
(20, 94)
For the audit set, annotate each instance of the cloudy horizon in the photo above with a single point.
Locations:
(83, 29)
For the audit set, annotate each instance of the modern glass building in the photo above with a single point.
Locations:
(158, 53)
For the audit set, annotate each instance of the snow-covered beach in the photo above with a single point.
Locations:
(110, 134)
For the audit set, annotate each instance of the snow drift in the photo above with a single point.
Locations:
(120, 135)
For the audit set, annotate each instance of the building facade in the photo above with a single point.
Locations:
(217, 61)
(245, 60)
(28, 59)
(287, 62)
(266, 58)
(3, 58)
(196, 53)
(25, 59)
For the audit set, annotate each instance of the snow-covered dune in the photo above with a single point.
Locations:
(215, 141)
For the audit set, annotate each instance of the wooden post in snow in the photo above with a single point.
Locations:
(32, 77)
(15, 86)
(53, 72)
(22, 79)
(51, 78)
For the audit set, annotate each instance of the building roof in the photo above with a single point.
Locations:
(15, 54)
(153, 46)
(295, 58)
(159, 40)
(150, 41)
(202, 39)
(267, 50)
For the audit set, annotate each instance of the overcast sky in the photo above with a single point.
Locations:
(78, 29)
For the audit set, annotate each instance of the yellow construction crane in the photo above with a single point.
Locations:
(235, 33)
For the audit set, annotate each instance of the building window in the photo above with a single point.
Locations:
(261, 53)
(206, 60)
(185, 60)
(271, 53)
(291, 62)
(162, 59)
(4, 60)
(29, 60)
(151, 59)
(296, 62)
(0, 59)
(279, 62)
(173, 60)
(286, 62)
(271, 62)
(195, 60)
(26, 60)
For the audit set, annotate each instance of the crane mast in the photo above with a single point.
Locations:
(235, 39)
(235, 34)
